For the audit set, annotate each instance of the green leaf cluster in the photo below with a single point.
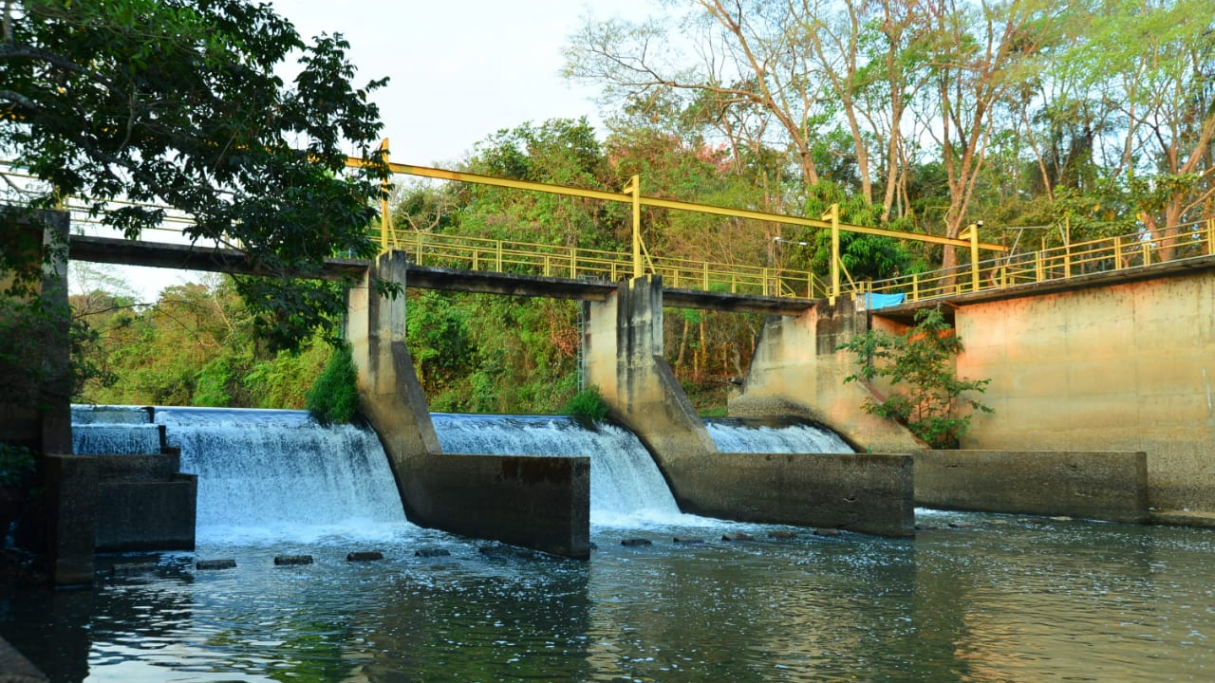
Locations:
(17, 465)
(925, 393)
(587, 404)
(334, 398)
(136, 104)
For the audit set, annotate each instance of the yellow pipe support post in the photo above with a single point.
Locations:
(833, 215)
(971, 232)
(634, 187)
(385, 214)
(1211, 236)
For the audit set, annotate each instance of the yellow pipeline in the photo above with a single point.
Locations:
(442, 174)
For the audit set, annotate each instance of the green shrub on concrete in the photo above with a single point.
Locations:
(334, 398)
(926, 394)
(587, 404)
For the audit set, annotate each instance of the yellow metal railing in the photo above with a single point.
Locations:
(523, 258)
(1135, 250)
(631, 194)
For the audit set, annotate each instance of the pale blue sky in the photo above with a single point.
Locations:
(460, 69)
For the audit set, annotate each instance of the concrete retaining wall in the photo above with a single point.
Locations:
(536, 502)
(1109, 486)
(870, 493)
(1127, 367)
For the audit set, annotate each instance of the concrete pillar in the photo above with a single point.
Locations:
(71, 489)
(623, 352)
(624, 357)
(537, 502)
(796, 371)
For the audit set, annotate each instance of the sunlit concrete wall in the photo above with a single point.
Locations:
(796, 371)
(1127, 367)
(536, 502)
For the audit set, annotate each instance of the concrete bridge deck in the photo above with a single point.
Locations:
(209, 259)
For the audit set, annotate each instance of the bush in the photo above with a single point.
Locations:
(334, 398)
(587, 404)
(926, 395)
(16, 465)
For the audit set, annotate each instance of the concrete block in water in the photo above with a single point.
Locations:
(1090, 485)
(203, 565)
(866, 492)
(636, 542)
(292, 560)
(366, 556)
(431, 552)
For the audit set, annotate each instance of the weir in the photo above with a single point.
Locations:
(623, 356)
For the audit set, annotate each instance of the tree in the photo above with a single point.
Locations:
(925, 394)
(177, 102)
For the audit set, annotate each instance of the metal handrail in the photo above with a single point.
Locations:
(1106, 254)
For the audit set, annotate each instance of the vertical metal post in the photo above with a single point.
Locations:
(972, 232)
(385, 214)
(1117, 253)
(634, 187)
(915, 287)
(833, 215)
(1211, 236)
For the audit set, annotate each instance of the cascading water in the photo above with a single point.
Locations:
(626, 486)
(734, 435)
(113, 430)
(275, 474)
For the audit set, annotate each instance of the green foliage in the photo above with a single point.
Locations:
(587, 404)
(17, 465)
(334, 399)
(180, 102)
(196, 345)
(925, 395)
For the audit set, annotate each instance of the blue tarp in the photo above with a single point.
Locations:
(875, 301)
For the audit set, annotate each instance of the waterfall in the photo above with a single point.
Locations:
(276, 474)
(735, 435)
(626, 486)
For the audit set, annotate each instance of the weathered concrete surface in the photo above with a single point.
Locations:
(870, 493)
(623, 348)
(15, 668)
(71, 490)
(623, 356)
(796, 371)
(1108, 486)
(1129, 367)
(146, 514)
(540, 503)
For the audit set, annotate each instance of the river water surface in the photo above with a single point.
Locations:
(973, 598)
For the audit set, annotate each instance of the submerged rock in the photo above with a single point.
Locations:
(636, 542)
(782, 534)
(431, 552)
(829, 533)
(292, 560)
(737, 537)
(215, 564)
(688, 540)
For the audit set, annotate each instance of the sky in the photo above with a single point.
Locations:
(459, 71)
